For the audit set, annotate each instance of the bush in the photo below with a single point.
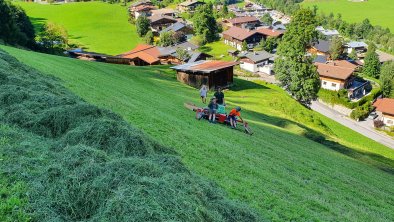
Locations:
(378, 123)
(361, 112)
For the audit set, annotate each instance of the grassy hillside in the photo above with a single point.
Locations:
(97, 26)
(280, 170)
(66, 160)
(379, 12)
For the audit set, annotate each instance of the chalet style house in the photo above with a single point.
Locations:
(385, 110)
(160, 22)
(189, 5)
(321, 47)
(212, 73)
(335, 75)
(235, 36)
(141, 8)
(249, 22)
(258, 61)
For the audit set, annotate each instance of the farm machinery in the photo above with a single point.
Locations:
(203, 113)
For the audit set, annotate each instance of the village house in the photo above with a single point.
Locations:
(160, 22)
(141, 8)
(258, 61)
(212, 73)
(385, 110)
(164, 12)
(235, 36)
(329, 33)
(189, 5)
(359, 47)
(249, 22)
(321, 47)
(143, 55)
(384, 57)
(179, 28)
(335, 75)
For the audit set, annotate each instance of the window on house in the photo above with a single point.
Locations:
(324, 83)
(333, 84)
(389, 122)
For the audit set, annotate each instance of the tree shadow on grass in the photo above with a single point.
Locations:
(383, 163)
(38, 23)
(205, 48)
(241, 84)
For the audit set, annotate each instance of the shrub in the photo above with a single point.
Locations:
(378, 123)
(361, 112)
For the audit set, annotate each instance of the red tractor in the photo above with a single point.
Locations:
(203, 113)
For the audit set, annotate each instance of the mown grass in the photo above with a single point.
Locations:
(280, 170)
(97, 26)
(218, 50)
(379, 12)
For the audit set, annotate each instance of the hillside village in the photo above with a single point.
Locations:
(249, 37)
(90, 135)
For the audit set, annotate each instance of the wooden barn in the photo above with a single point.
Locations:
(212, 73)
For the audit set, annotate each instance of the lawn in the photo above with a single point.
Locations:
(218, 50)
(379, 12)
(280, 170)
(97, 26)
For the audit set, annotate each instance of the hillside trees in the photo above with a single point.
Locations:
(15, 26)
(293, 68)
(387, 79)
(142, 24)
(205, 24)
(371, 62)
(266, 19)
(336, 47)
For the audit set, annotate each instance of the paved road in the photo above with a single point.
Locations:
(364, 127)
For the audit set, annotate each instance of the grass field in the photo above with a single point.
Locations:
(379, 12)
(218, 50)
(97, 26)
(279, 170)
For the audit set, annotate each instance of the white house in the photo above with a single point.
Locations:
(259, 61)
(335, 75)
(360, 47)
(327, 32)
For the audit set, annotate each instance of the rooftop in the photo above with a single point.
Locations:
(385, 105)
(190, 2)
(174, 27)
(148, 53)
(355, 44)
(244, 19)
(155, 18)
(239, 33)
(205, 66)
(338, 69)
(257, 56)
(270, 32)
(322, 45)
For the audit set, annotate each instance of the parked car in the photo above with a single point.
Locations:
(372, 115)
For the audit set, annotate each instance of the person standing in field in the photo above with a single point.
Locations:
(203, 93)
(212, 106)
(219, 95)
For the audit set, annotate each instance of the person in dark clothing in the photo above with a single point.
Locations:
(219, 95)
(213, 106)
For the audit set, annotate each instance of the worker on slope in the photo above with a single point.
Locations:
(232, 116)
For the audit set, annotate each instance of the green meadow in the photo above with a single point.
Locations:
(379, 12)
(96, 26)
(298, 165)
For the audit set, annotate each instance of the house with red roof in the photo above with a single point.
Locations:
(385, 109)
(235, 36)
(212, 73)
(335, 75)
(242, 22)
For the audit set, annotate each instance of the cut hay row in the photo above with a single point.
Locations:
(82, 163)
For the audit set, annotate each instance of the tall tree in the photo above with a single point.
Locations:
(387, 79)
(270, 44)
(244, 46)
(53, 36)
(267, 19)
(149, 38)
(167, 38)
(142, 25)
(371, 62)
(336, 47)
(205, 24)
(293, 68)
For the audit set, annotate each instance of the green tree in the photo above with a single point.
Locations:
(387, 79)
(205, 24)
(149, 38)
(53, 36)
(266, 19)
(182, 54)
(336, 47)
(371, 62)
(270, 44)
(167, 39)
(244, 46)
(353, 55)
(293, 68)
(142, 24)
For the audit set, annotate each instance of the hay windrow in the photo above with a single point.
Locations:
(83, 163)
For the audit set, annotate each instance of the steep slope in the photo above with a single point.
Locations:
(280, 170)
(77, 162)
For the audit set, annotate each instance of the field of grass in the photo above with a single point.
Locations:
(280, 170)
(97, 26)
(379, 12)
(218, 50)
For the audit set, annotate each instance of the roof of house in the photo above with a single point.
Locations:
(270, 32)
(322, 45)
(239, 33)
(155, 18)
(355, 44)
(148, 53)
(320, 59)
(327, 32)
(385, 105)
(140, 3)
(195, 55)
(163, 11)
(257, 56)
(384, 57)
(205, 66)
(174, 27)
(191, 2)
(242, 20)
(338, 69)
(141, 8)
